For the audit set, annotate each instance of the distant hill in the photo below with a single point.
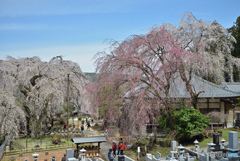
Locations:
(92, 76)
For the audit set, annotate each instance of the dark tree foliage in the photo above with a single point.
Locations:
(189, 122)
(235, 31)
(236, 73)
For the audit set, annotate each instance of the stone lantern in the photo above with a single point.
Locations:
(223, 143)
(196, 145)
(35, 156)
(83, 153)
(173, 159)
(211, 147)
(172, 156)
(180, 152)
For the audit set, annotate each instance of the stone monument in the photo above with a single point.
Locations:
(233, 143)
(216, 141)
(237, 122)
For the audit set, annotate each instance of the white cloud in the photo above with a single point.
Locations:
(81, 54)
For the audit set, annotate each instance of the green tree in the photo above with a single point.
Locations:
(235, 31)
(236, 73)
(189, 122)
(164, 122)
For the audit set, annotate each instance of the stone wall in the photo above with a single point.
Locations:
(192, 153)
(125, 158)
(230, 116)
(204, 157)
(150, 157)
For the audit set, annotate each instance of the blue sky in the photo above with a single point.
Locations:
(77, 29)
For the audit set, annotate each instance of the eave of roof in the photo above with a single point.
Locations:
(233, 86)
(82, 140)
(211, 90)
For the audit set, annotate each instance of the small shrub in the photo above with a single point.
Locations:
(165, 143)
(190, 122)
(61, 121)
(56, 139)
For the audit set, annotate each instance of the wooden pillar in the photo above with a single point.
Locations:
(98, 147)
(220, 109)
(207, 105)
(233, 114)
(68, 110)
(225, 107)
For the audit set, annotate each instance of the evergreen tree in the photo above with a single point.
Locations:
(235, 31)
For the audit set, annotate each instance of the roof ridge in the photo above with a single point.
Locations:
(216, 85)
(232, 83)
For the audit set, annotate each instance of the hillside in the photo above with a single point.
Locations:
(92, 76)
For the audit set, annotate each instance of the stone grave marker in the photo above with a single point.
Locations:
(158, 155)
(69, 153)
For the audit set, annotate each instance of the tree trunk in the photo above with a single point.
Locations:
(52, 121)
(36, 128)
(189, 87)
(73, 119)
(171, 117)
(195, 101)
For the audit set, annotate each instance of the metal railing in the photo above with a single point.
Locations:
(2, 147)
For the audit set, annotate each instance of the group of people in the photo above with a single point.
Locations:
(82, 126)
(88, 120)
(120, 147)
(87, 124)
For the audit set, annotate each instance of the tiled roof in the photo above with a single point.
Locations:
(233, 86)
(78, 111)
(210, 90)
(81, 140)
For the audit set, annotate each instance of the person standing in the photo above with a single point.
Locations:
(120, 140)
(82, 128)
(110, 155)
(122, 147)
(64, 126)
(75, 154)
(114, 148)
(64, 158)
(53, 158)
(106, 134)
(88, 125)
(83, 121)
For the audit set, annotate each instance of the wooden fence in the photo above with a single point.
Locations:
(2, 148)
(40, 149)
